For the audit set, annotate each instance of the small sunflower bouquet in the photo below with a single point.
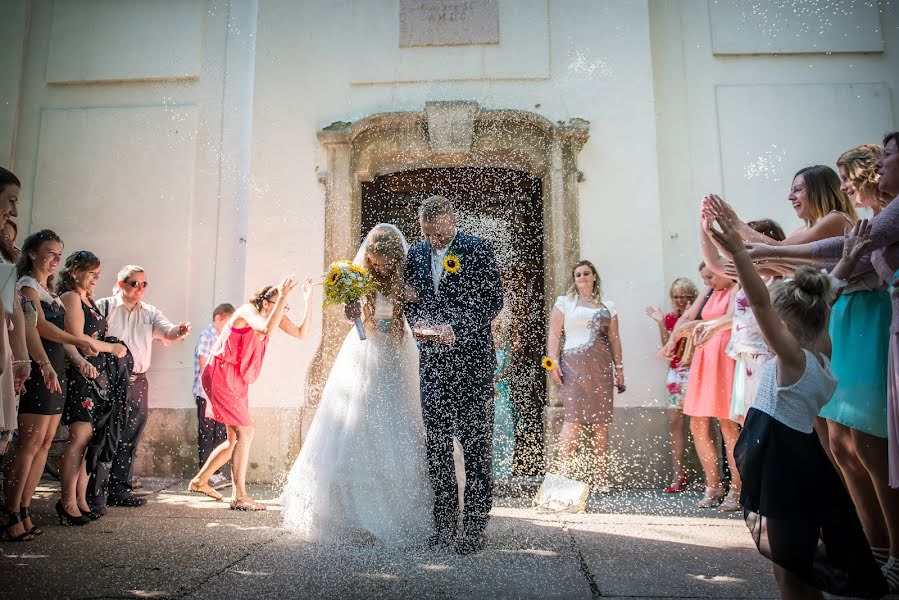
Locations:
(346, 283)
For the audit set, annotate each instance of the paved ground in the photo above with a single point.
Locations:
(629, 545)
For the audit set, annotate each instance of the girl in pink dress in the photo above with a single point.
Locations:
(235, 363)
(711, 385)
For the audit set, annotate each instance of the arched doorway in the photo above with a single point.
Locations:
(506, 207)
(449, 135)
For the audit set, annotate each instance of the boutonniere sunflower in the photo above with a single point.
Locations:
(548, 363)
(452, 263)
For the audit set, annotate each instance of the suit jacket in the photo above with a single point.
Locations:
(467, 300)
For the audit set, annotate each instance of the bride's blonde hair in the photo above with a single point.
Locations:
(385, 242)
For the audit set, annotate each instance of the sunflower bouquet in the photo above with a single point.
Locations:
(346, 283)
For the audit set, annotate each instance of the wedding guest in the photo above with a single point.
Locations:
(43, 399)
(17, 365)
(504, 416)
(235, 364)
(710, 386)
(873, 452)
(210, 433)
(137, 324)
(589, 366)
(747, 345)
(859, 178)
(682, 294)
(8, 234)
(817, 546)
(87, 413)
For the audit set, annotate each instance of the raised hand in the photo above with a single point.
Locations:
(655, 314)
(727, 235)
(183, 329)
(719, 207)
(855, 240)
(287, 284)
(307, 288)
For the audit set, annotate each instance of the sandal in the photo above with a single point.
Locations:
(731, 502)
(248, 504)
(712, 498)
(195, 487)
(676, 488)
(25, 513)
(13, 519)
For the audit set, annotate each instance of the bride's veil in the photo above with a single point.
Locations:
(359, 259)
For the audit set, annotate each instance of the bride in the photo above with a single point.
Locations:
(362, 471)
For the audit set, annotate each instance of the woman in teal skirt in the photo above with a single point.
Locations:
(504, 414)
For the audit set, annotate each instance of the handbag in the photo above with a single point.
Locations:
(689, 346)
(560, 494)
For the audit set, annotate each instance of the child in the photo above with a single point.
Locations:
(682, 294)
(815, 544)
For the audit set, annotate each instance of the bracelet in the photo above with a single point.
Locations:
(21, 362)
(40, 365)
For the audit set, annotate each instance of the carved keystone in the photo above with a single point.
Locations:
(451, 126)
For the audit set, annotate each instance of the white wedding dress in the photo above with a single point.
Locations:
(362, 471)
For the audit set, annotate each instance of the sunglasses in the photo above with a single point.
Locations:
(683, 298)
(137, 284)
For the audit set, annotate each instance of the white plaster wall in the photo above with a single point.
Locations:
(135, 146)
(742, 125)
(13, 30)
(600, 69)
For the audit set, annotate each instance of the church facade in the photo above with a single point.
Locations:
(223, 143)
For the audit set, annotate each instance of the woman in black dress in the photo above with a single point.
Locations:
(87, 379)
(41, 404)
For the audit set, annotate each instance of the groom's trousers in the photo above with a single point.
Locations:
(457, 400)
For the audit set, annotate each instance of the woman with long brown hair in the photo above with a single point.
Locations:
(589, 367)
(235, 363)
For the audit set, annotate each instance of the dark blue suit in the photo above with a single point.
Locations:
(457, 380)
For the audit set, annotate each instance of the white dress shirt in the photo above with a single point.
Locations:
(136, 327)
(437, 257)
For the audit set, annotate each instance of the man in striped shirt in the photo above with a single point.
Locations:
(210, 433)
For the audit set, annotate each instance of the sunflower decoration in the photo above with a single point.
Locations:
(333, 276)
(346, 283)
(452, 264)
(548, 363)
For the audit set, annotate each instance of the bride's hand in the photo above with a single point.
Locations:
(352, 311)
(410, 296)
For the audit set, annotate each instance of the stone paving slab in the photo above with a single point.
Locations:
(629, 544)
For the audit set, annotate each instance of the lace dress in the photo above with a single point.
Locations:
(588, 370)
(795, 504)
(362, 472)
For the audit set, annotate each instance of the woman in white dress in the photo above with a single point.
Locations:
(362, 472)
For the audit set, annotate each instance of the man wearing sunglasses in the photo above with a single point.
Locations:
(137, 324)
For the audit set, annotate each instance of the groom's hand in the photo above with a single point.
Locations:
(445, 334)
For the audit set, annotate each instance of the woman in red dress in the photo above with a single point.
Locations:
(235, 363)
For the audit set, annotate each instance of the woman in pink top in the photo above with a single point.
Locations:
(236, 361)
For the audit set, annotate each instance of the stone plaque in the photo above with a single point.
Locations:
(448, 22)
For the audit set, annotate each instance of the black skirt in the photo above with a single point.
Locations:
(799, 512)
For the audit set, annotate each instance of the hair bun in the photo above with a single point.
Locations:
(812, 281)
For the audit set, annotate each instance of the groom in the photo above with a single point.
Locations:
(459, 289)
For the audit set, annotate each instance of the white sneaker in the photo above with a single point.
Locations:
(219, 481)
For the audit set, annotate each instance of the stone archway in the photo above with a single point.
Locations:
(444, 134)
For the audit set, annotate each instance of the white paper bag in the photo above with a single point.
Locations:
(560, 494)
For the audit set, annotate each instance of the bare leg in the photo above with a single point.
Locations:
(872, 452)
(730, 431)
(600, 440)
(824, 437)
(859, 483)
(73, 464)
(676, 421)
(83, 479)
(568, 439)
(241, 460)
(707, 450)
(220, 455)
(31, 436)
(40, 460)
(792, 588)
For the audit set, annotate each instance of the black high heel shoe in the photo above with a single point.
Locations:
(91, 514)
(13, 518)
(67, 519)
(25, 513)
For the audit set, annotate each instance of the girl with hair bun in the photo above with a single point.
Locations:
(816, 545)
